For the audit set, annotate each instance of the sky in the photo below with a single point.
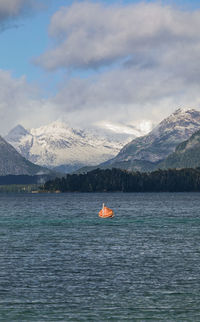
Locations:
(116, 65)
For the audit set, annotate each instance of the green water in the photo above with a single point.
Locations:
(60, 262)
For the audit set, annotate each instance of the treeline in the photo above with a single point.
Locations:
(23, 179)
(98, 180)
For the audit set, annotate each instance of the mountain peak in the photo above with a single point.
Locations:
(161, 141)
(19, 129)
(57, 144)
(17, 132)
(181, 110)
(179, 118)
(184, 110)
(12, 163)
(54, 128)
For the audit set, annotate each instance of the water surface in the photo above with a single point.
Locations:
(60, 262)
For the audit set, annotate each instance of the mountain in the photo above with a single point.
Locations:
(66, 149)
(11, 162)
(186, 155)
(145, 153)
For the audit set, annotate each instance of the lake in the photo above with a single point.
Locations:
(60, 262)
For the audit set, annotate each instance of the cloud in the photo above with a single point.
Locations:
(12, 9)
(21, 103)
(126, 96)
(144, 57)
(144, 60)
(140, 129)
(121, 101)
(91, 35)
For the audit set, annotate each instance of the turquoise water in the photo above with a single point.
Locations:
(60, 262)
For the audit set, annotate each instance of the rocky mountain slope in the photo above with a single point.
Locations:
(11, 162)
(63, 148)
(145, 153)
(186, 155)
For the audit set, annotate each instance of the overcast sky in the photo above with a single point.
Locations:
(112, 64)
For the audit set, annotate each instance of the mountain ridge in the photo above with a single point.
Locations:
(12, 163)
(58, 146)
(186, 155)
(146, 152)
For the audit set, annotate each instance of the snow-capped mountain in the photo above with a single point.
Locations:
(12, 163)
(143, 153)
(58, 145)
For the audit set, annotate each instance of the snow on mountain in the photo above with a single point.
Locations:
(58, 145)
(12, 163)
(16, 133)
(160, 142)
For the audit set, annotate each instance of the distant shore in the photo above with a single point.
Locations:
(111, 180)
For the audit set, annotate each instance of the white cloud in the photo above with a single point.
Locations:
(119, 100)
(20, 103)
(153, 52)
(133, 130)
(126, 96)
(89, 35)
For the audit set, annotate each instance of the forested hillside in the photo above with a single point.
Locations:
(120, 180)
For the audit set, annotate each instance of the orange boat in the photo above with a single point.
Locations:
(106, 212)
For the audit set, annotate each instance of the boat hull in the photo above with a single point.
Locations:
(106, 213)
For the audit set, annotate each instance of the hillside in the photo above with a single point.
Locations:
(11, 162)
(186, 155)
(120, 180)
(145, 153)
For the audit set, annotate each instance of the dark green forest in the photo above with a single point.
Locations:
(99, 180)
(23, 179)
